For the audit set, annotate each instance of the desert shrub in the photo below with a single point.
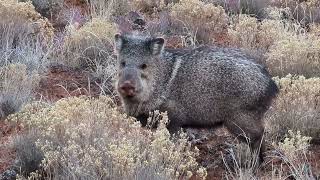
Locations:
(152, 6)
(90, 44)
(25, 37)
(296, 108)
(108, 8)
(293, 143)
(22, 16)
(294, 153)
(201, 20)
(255, 37)
(16, 87)
(305, 12)
(315, 30)
(282, 45)
(289, 158)
(241, 162)
(47, 8)
(299, 55)
(86, 138)
(25, 42)
(28, 155)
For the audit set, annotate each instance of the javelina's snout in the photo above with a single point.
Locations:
(128, 82)
(127, 89)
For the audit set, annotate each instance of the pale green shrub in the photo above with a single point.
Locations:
(16, 15)
(243, 163)
(85, 138)
(255, 37)
(90, 45)
(108, 8)
(47, 8)
(28, 156)
(25, 42)
(16, 87)
(91, 48)
(299, 55)
(150, 6)
(293, 152)
(283, 46)
(293, 143)
(296, 108)
(203, 21)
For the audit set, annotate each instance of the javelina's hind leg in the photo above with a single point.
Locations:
(248, 128)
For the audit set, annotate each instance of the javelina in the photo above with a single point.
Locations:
(199, 87)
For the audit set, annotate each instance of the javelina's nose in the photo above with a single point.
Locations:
(127, 89)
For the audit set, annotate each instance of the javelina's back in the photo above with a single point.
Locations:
(214, 82)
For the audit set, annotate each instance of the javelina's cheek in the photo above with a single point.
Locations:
(120, 73)
(144, 76)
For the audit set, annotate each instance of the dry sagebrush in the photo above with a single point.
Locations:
(200, 20)
(299, 55)
(16, 87)
(296, 107)
(47, 8)
(152, 6)
(289, 159)
(24, 13)
(284, 46)
(257, 37)
(25, 40)
(90, 45)
(85, 138)
(295, 155)
(108, 8)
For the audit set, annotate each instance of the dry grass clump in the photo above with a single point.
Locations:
(109, 8)
(89, 45)
(294, 154)
(283, 45)
(299, 55)
(152, 6)
(201, 20)
(296, 108)
(294, 143)
(256, 37)
(315, 30)
(84, 138)
(25, 42)
(289, 159)
(47, 8)
(16, 87)
(241, 163)
(23, 14)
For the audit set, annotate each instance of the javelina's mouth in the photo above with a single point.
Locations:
(131, 97)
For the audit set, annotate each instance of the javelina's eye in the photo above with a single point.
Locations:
(143, 66)
(123, 64)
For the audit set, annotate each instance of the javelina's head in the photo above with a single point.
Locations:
(139, 65)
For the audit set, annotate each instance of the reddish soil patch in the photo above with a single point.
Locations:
(61, 82)
(6, 154)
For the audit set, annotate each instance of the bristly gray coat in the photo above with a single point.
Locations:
(199, 87)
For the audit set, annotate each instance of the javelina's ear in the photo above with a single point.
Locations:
(156, 45)
(118, 43)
